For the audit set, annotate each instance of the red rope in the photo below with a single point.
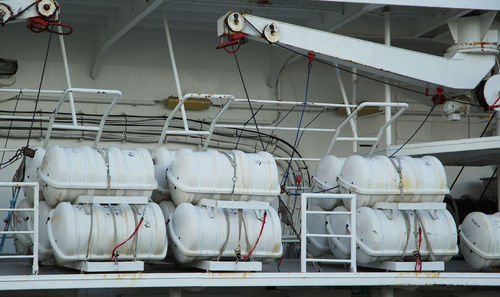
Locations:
(494, 105)
(232, 52)
(39, 25)
(418, 256)
(258, 238)
(113, 254)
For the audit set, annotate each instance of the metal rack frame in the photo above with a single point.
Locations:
(35, 210)
(304, 234)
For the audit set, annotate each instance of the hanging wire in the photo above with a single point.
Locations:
(277, 124)
(246, 123)
(248, 98)
(416, 130)
(482, 134)
(296, 142)
(39, 87)
(10, 127)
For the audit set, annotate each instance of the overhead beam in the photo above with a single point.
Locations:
(439, 22)
(128, 18)
(279, 63)
(459, 4)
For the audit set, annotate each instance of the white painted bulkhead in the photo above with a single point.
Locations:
(139, 66)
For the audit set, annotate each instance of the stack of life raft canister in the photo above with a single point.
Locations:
(384, 234)
(174, 184)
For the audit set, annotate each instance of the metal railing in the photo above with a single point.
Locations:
(66, 94)
(304, 235)
(75, 126)
(231, 99)
(35, 210)
(403, 107)
(186, 131)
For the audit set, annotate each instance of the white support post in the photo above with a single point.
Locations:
(353, 235)
(303, 232)
(36, 223)
(387, 41)
(498, 166)
(174, 67)
(348, 109)
(353, 102)
(68, 79)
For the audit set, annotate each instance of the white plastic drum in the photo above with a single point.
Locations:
(67, 173)
(203, 233)
(377, 179)
(233, 175)
(162, 159)
(480, 240)
(23, 221)
(167, 208)
(317, 246)
(326, 178)
(384, 235)
(31, 173)
(92, 231)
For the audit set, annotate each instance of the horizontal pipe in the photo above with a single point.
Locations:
(329, 235)
(298, 103)
(296, 159)
(330, 212)
(329, 260)
(274, 128)
(71, 127)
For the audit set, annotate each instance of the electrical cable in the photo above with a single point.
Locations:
(488, 184)
(482, 134)
(315, 192)
(416, 130)
(310, 122)
(279, 122)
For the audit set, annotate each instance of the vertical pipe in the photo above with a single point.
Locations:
(36, 210)
(354, 99)
(387, 41)
(353, 235)
(348, 109)
(174, 67)
(498, 166)
(303, 230)
(66, 72)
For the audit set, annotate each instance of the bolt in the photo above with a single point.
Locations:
(272, 29)
(46, 7)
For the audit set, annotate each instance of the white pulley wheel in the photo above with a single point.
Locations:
(5, 13)
(235, 21)
(47, 8)
(491, 90)
(272, 33)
